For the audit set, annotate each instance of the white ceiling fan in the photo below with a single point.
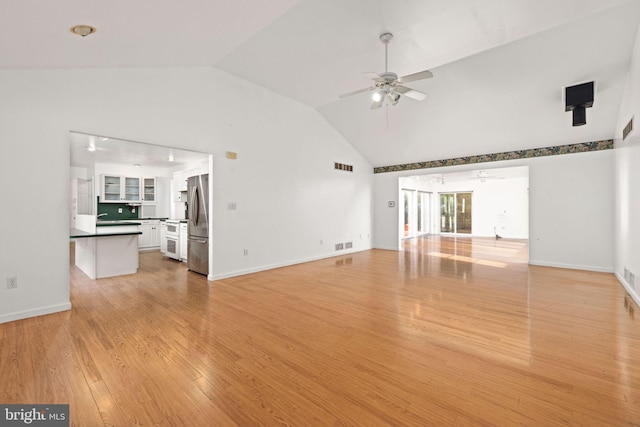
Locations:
(483, 176)
(388, 85)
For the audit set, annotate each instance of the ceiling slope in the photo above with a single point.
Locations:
(506, 98)
(319, 49)
(499, 65)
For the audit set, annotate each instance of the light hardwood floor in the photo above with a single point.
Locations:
(447, 332)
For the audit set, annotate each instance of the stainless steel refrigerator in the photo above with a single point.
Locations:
(198, 224)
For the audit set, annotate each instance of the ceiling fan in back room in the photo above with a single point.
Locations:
(388, 86)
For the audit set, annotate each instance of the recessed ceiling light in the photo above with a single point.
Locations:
(83, 30)
(136, 165)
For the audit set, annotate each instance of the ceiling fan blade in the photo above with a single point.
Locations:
(355, 92)
(411, 93)
(426, 74)
(374, 76)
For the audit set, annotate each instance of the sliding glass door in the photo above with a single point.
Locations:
(422, 212)
(416, 213)
(455, 213)
(409, 196)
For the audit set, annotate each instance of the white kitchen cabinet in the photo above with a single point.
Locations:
(150, 237)
(149, 190)
(163, 237)
(120, 189)
(181, 182)
(183, 241)
(155, 236)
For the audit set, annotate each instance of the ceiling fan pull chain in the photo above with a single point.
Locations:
(386, 111)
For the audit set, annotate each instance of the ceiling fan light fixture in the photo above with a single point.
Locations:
(377, 96)
(83, 30)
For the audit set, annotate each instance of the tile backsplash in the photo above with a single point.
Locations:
(111, 210)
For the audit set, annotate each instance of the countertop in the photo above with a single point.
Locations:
(74, 233)
(116, 224)
(132, 221)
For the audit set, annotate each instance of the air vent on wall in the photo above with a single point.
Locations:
(343, 167)
(627, 129)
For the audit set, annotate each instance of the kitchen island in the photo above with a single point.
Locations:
(106, 251)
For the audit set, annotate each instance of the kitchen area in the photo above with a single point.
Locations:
(129, 197)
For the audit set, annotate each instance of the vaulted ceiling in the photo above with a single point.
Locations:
(499, 65)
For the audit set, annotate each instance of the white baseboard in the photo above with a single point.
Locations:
(387, 248)
(19, 315)
(572, 266)
(630, 290)
(279, 265)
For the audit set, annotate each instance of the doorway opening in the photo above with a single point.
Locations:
(114, 179)
(492, 203)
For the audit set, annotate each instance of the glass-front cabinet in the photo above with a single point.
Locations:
(111, 191)
(149, 190)
(119, 189)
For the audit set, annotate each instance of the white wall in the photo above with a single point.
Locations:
(570, 208)
(627, 182)
(289, 197)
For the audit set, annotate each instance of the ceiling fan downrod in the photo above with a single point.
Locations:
(385, 39)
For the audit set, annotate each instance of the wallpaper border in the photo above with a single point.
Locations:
(507, 155)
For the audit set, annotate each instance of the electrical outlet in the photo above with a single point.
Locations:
(246, 252)
(12, 282)
(119, 210)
